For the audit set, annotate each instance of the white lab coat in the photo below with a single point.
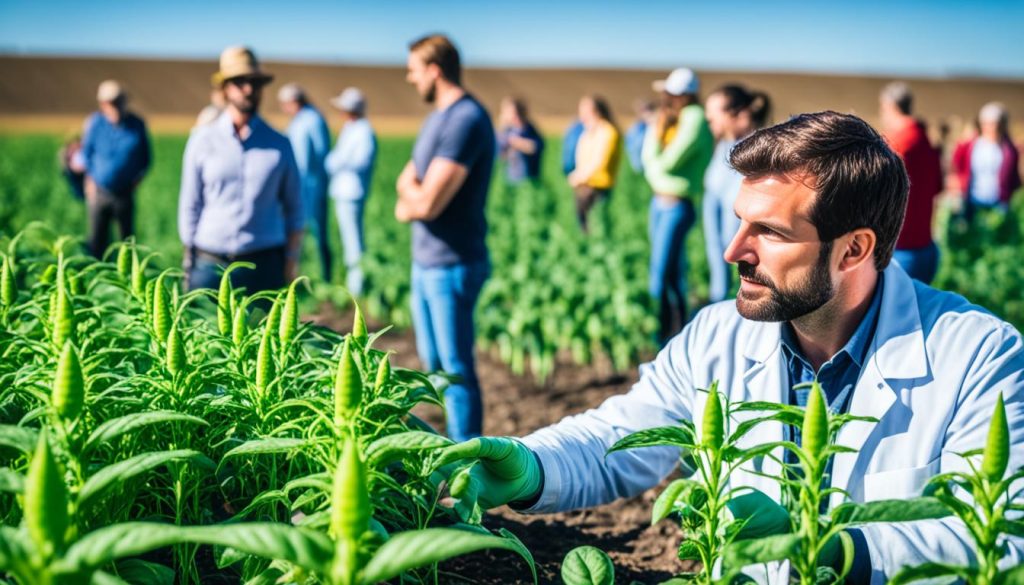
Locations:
(933, 371)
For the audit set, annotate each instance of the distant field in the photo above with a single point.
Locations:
(171, 93)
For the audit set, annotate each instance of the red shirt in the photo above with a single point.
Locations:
(925, 172)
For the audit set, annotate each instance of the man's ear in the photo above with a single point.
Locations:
(858, 248)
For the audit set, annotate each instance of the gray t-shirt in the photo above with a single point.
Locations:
(462, 133)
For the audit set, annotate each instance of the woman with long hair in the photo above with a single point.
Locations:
(733, 113)
(597, 156)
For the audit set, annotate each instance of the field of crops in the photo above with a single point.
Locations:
(149, 435)
(552, 290)
(156, 436)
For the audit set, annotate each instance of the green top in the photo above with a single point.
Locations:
(678, 167)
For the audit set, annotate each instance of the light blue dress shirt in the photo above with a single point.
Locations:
(238, 196)
(311, 141)
(350, 163)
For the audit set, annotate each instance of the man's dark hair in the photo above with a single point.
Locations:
(860, 181)
(439, 50)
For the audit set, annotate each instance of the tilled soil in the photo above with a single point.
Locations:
(516, 406)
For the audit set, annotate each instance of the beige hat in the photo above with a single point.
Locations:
(239, 62)
(110, 91)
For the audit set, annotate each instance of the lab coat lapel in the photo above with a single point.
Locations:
(765, 379)
(897, 353)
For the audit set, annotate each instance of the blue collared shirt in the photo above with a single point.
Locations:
(238, 196)
(838, 375)
(116, 155)
(311, 141)
(350, 164)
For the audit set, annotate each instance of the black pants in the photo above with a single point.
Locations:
(105, 208)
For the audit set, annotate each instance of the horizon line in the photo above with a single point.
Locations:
(977, 74)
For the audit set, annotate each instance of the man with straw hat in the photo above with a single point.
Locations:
(240, 198)
(117, 155)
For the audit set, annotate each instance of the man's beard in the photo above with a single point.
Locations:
(247, 105)
(431, 94)
(809, 296)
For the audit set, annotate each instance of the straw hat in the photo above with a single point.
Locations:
(239, 62)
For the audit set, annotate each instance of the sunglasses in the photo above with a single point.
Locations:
(254, 82)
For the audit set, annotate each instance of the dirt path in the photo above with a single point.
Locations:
(516, 406)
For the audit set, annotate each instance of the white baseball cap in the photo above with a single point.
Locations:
(992, 112)
(109, 91)
(681, 81)
(351, 100)
(291, 92)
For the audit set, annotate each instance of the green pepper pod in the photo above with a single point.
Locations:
(68, 395)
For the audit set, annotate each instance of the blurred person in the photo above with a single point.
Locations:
(987, 165)
(597, 157)
(644, 110)
(311, 141)
(442, 192)
(240, 196)
(733, 113)
(212, 110)
(519, 143)
(915, 251)
(72, 165)
(569, 141)
(350, 167)
(677, 150)
(116, 152)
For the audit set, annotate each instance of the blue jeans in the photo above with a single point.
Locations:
(317, 223)
(443, 299)
(349, 213)
(921, 263)
(669, 224)
(720, 226)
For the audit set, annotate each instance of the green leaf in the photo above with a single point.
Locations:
(23, 439)
(118, 541)
(1012, 527)
(418, 548)
(657, 437)
(666, 502)
(140, 572)
(299, 546)
(393, 447)
(263, 446)
(931, 571)
(11, 481)
(104, 578)
(116, 427)
(924, 508)
(741, 553)
(587, 565)
(1014, 576)
(120, 472)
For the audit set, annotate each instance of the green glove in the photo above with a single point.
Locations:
(506, 471)
(761, 515)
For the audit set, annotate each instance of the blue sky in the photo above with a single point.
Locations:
(905, 37)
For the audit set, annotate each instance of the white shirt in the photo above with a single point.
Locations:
(986, 160)
(350, 163)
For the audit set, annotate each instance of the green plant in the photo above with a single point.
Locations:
(587, 565)
(702, 500)
(990, 513)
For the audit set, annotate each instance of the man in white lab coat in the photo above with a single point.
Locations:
(821, 206)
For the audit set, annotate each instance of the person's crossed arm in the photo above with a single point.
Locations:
(425, 200)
